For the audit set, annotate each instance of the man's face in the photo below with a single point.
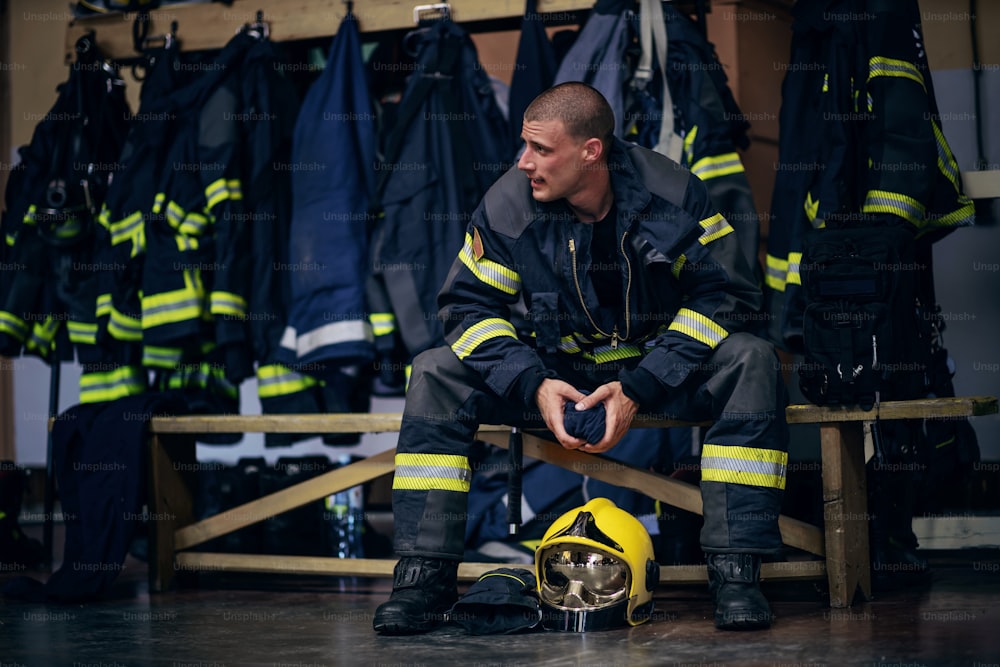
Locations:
(552, 159)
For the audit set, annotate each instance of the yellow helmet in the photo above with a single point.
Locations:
(595, 569)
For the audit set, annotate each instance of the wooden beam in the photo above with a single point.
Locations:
(203, 26)
(346, 422)
(382, 568)
(264, 508)
(845, 512)
(943, 408)
(927, 408)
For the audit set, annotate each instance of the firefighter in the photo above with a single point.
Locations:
(637, 293)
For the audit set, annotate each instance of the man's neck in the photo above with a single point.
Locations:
(594, 202)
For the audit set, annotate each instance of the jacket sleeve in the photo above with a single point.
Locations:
(720, 296)
(475, 305)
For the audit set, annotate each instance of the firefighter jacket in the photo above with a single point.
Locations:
(333, 178)
(598, 57)
(440, 158)
(535, 69)
(860, 142)
(686, 285)
(712, 126)
(52, 200)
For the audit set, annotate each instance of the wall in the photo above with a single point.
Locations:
(752, 39)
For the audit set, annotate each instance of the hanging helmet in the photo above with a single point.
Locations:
(595, 569)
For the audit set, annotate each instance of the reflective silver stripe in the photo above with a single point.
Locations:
(743, 465)
(698, 327)
(335, 333)
(437, 472)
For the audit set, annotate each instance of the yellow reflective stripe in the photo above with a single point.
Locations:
(714, 166)
(490, 272)
(678, 265)
(126, 228)
(569, 345)
(174, 306)
(13, 325)
(428, 472)
(161, 357)
(811, 207)
(277, 380)
(383, 324)
(111, 385)
(744, 465)
(960, 217)
(43, 334)
(781, 272)
(471, 338)
(191, 223)
(29, 215)
(158, 201)
(103, 305)
(699, 327)
(82, 332)
(775, 272)
(946, 161)
(794, 264)
(220, 190)
(605, 353)
(881, 66)
(185, 242)
(11, 239)
(826, 82)
(689, 144)
(715, 228)
(228, 303)
(123, 327)
(894, 203)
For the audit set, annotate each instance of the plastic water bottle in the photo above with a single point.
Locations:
(345, 515)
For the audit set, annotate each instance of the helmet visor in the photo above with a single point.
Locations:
(581, 577)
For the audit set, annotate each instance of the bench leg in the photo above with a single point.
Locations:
(172, 478)
(845, 512)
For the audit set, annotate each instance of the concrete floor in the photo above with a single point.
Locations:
(266, 620)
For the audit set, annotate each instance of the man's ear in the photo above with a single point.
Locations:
(593, 149)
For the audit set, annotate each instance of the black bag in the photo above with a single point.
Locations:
(860, 331)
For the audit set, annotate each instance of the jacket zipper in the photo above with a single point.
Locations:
(628, 288)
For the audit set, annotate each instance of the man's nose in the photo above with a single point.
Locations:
(525, 162)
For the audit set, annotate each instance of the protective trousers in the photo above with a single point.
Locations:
(744, 456)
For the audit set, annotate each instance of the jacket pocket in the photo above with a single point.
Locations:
(544, 316)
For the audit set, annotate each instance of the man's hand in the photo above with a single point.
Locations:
(551, 397)
(619, 412)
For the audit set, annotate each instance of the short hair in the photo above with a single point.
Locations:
(582, 109)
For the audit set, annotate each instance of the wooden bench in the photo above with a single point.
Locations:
(841, 547)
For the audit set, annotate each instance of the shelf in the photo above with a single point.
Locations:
(204, 26)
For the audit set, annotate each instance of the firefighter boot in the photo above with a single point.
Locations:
(734, 580)
(423, 589)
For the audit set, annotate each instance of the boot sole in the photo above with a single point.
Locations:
(748, 620)
(398, 626)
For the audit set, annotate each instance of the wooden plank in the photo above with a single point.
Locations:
(958, 532)
(382, 568)
(171, 503)
(845, 513)
(967, 406)
(210, 25)
(943, 408)
(686, 496)
(261, 509)
(345, 422)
